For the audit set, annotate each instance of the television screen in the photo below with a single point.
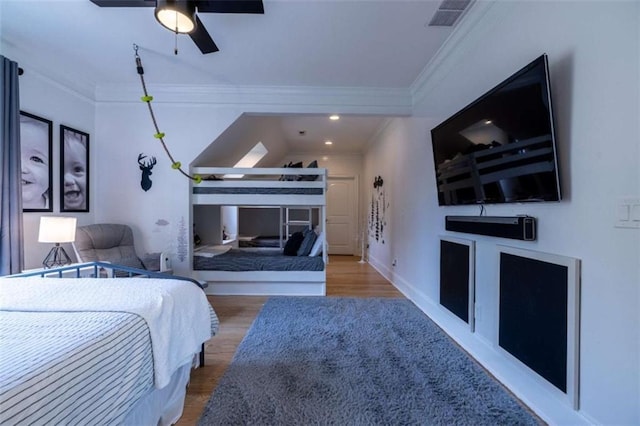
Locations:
(501, 147)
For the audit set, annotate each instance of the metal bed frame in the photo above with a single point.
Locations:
(100, 270)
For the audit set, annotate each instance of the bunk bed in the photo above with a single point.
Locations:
(80, 346)
(285, 188)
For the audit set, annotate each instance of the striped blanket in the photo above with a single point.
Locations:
(72, 367)
(82, 351)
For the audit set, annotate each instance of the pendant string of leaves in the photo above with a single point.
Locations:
(176, 165)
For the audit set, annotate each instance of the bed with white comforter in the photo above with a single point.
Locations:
(98, 351)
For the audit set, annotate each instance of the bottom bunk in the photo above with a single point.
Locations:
(259, 271)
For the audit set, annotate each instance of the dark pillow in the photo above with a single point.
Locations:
(293, 244)
(297, 165)
(151, 261)
(312, 165)
(132, 262)
(307, 243)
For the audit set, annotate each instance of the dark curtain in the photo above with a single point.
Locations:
(11, 232)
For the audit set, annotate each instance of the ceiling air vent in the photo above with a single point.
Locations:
(448, 13)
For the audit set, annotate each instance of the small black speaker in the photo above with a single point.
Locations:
(514, 227)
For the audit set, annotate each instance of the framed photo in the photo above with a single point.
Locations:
(35, 157)
(74, 170)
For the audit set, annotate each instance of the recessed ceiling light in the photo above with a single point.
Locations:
(328, 143)
(334, 117)
(488, 122)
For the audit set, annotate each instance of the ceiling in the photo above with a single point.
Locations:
(305, 43)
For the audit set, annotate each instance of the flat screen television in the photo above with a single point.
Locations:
(501, 148)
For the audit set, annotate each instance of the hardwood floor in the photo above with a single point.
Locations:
(345, 277)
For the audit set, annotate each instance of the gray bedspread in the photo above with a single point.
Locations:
(257, 260)
(262, 242)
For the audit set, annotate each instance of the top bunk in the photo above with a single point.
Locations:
(285, 186)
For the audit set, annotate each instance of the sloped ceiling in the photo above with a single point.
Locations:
(282, 135)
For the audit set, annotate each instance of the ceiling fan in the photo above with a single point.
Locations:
(180, 16)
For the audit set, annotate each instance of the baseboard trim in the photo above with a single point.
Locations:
(514, 377)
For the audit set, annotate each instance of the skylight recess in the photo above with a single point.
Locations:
(250, 159)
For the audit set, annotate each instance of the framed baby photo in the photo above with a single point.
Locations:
(35, 160)
(74, 170)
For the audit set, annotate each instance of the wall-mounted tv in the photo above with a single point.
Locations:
(501, 148)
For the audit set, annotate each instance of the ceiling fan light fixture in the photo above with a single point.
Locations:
(176, 15)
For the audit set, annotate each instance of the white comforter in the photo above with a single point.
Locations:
(177, 312)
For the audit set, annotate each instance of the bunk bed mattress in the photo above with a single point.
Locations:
(266, 259)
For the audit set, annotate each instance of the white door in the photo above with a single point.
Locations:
(342, 205)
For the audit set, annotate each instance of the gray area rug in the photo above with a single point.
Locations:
(348, 361)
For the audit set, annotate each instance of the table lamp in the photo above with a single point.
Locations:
(57, 230)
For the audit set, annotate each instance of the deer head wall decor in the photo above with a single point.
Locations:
(146, 166)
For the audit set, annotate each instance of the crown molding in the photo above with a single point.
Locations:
(73, 84)
(481, 14)
(381, 129)
(257, 99)
(276, 99)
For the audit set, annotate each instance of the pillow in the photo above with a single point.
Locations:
(312, 165)
(297, 165)
(307, 242)
(211, 250)
(151, 261)
(293, 244)
(294, 165)
(131, 262)
(317, 245)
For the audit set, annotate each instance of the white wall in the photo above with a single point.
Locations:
(207, 224)
(596, 93)
(230, 222)
(259, 221)
(62, 106)
(340, 165)
(158, 215)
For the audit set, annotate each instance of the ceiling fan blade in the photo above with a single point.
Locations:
(202, 39)
(230, 6)
(124, 3)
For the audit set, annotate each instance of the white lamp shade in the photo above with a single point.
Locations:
(57, 229)
(176, 15)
